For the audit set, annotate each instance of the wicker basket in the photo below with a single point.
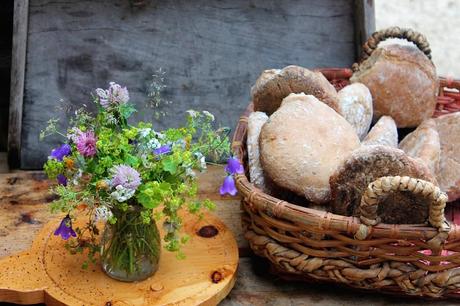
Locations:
(308, 244)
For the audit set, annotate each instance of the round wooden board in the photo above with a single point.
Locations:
(48, 274)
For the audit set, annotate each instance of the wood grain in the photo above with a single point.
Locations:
(18, 68)
(364, 11)
(212, 52)
(47, 273)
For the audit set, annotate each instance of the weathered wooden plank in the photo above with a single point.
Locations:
(364, 11)
(18, 66)
(24, 197)
(6, 29)
(211, 50)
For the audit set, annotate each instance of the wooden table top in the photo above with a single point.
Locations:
(24, 210)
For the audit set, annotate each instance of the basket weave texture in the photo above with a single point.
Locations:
(312, 245)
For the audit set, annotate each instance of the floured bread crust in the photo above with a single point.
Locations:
(403, 84)
(369, 163)
(383, 133)
(424, 144)
(302, 144)
(255, 122)
(355, 105)
(448, 127)
(274, 85)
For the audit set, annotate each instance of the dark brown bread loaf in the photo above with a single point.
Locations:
(274, 85)
(369, 163)
(403, 84)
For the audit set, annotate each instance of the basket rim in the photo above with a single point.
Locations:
(257, 200)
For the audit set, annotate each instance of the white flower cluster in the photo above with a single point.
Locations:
(102, 213)
(122, 194)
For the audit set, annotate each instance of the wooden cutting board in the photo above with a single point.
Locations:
(47, 273)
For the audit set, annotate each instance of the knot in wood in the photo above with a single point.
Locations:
(208, 231)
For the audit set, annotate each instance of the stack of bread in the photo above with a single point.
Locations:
(307, 141)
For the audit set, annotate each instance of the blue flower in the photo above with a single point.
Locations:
(166, 149)
(228, 186)
(65, 229)
(60, 152)
(62, 180)
(234, 166)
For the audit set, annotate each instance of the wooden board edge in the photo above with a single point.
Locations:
(18, 66)
(364, 19)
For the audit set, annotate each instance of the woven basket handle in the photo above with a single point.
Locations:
(394, 32)
(382, 187)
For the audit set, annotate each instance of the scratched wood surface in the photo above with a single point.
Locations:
(48, 273)
(212, 52)
(23, 212)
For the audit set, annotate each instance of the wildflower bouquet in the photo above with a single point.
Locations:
(130, 176)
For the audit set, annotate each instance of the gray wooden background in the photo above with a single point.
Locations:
(212, 51)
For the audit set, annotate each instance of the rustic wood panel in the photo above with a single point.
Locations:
(211, 50)
(6, 33)
(18, 67)
(364, 23)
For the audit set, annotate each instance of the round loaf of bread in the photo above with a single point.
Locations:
(448, 127)
(302, 143)
(423, 143)
(355, 105)
(403, 84)
(274, 85)
(369, 163)
(384, 133)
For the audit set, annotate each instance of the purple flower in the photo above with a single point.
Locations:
(65, 229)
(166, 149)
(115, 95)
(228, 186)
(60, 152)
(234, 166)
(86, 144)
(125, 176)
(62, 180)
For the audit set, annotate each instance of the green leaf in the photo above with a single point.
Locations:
(126, 110)
(170, 164)
(152, 194)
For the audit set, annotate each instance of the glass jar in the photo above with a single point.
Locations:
(130, 248)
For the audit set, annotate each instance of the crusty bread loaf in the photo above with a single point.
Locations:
(423, 144)
(355, 105)
(302, 143)
(384, 133)
(448, 127)
(255, 122)
(403, 84)
(274, 85)
(369, 163)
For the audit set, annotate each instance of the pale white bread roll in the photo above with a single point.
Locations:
(355, 105)
(255, 122)
(383, 133)
(302, 144)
